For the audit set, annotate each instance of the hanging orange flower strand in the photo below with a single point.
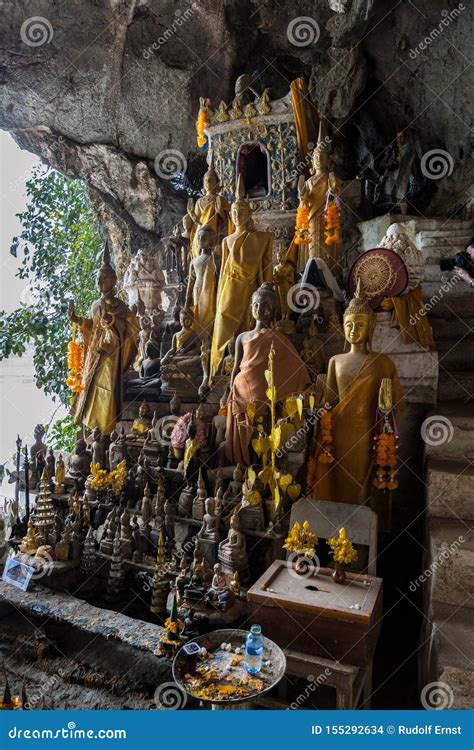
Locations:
(332, 225)
(385, 448)
(302, 225)
(75, 363)
(201, 125)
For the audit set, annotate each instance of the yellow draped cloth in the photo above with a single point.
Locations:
(207, 212)
(250, 385)
(204, 300)
(244, 268)
(409, 315)
(348, 478)
(305, 115)
(108, 353)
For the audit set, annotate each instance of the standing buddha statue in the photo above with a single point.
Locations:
(246, 264)
(109, 348)
(212, 208)
(202, 283)
(359, 384)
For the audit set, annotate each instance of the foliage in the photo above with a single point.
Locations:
(59, 250)
(61, 434)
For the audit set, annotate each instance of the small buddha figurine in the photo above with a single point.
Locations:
(248, 381)
(353, 389)
(181, 365)
(108, 535)
(126, 539)
(284, 281)
(220, 593)
(211, 520)
(114, 454)
(59, 476)
(50, 466)
(63, 547)
(97, 448)
(146, 505)
(148, 384)
(202, 282)
(233, 493)
(37, 456)
(79, 465)
(142, 423)
(313, 352)
(235, 584)
(246, 263)
(29, 543)
(228, 362)
(199, 501)
(232, 551)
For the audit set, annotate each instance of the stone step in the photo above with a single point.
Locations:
(450, 561)
(450, 489)
(448, 430)
(448, 647)
(456, 387)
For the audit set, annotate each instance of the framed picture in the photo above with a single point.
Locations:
(17, 573)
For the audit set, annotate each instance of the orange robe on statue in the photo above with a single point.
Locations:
(348, 478)
(250, 385)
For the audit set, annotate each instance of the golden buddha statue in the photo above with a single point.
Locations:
(246, 264)
(59, 476)
(313, 195)
(284, 281)
(29, 543)
(213, 209)
(248, 382)
(202, 283)
(358, 383)
(110, 336)
(142, 424)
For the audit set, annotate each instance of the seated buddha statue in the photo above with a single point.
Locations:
(353, 388)
(210, 522)
(232, 551)
(142, 424)
(248, 383)
(79, 465)
(181, 366)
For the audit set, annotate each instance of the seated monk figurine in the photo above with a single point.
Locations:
(232, 551)
(353, 389)
(248, 383)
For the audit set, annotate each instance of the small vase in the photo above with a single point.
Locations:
(339, 574)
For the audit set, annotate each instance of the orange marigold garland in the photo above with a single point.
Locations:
(201, 125)
(75, 363)
(325, 456)
(386, 458)
(332, 224)
(302, 225)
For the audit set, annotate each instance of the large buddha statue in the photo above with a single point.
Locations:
(248, 383)
(110, 336)
(213, 209)
(202, 283)
(181, 367)
(313, 195)
(246, 264)
(359, 383)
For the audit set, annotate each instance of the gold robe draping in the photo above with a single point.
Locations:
(244, 268)
(305, 115)
(290, 376)
(108, 353)
(409, 315)
(207, 212)
(348, 479)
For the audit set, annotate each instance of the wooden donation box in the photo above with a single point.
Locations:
(317, 616)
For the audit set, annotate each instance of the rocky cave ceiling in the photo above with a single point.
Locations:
(102, 96)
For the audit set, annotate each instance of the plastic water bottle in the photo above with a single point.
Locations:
(254, 646)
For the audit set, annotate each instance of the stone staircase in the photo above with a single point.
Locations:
(448, 589)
